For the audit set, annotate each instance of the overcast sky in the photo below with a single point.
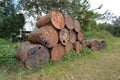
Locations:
(112, 5)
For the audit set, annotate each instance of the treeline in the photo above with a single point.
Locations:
(11, 22)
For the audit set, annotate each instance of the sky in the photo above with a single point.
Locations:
(112, 5)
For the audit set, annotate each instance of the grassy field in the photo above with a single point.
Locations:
(91, 65)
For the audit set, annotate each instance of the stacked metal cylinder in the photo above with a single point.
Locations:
(57, 33)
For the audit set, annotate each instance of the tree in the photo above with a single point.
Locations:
(10, 21)
(79, 9)
(116, 27)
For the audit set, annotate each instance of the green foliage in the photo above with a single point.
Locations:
(42, 6)
(8, 55)
(71, 55)
(116, 27)
(98, 35)
(86, 51)
(10, 22)
(79, 9)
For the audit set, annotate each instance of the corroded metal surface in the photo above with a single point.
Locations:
(55, 17)
(42, 21)
(72, 37)
(84, 43)
(69, 22)
(80, 36)
(77, 26)
(46, 35)
(77, 46)
(93, 44)
(37, 57)
(68, 47)
(22, 51)
(57, 52)
(64, 36)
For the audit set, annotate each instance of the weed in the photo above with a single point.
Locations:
(71, 55)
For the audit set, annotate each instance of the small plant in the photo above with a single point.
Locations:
(86, 51)
(70, 55)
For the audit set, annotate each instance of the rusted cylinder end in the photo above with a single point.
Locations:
(72, 37)
(37, 57)
(80, 36)
(84, 43)
(34, 36)
(94, 45)
(77, 46)
(102, 44)
(69, 22)
(22, 51)
(54, 17)
(57, 19)
(44, 20)
(77, 26)
(64, 36)
(57, 52)
(68, 47)
(46, 35)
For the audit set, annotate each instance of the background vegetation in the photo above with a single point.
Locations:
(11, 22)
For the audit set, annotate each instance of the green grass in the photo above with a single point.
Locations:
(88, 65)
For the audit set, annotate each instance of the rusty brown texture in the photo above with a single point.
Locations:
(93, 44)
(80, 36)
(57, 52)
(46, 35)
(69, 21)
(68, 47)
(72, 37)
(77, 46)
(77, 26)
(54, 17)
(37, 57)
(64, 36)
(23, 49)
(84, 43)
